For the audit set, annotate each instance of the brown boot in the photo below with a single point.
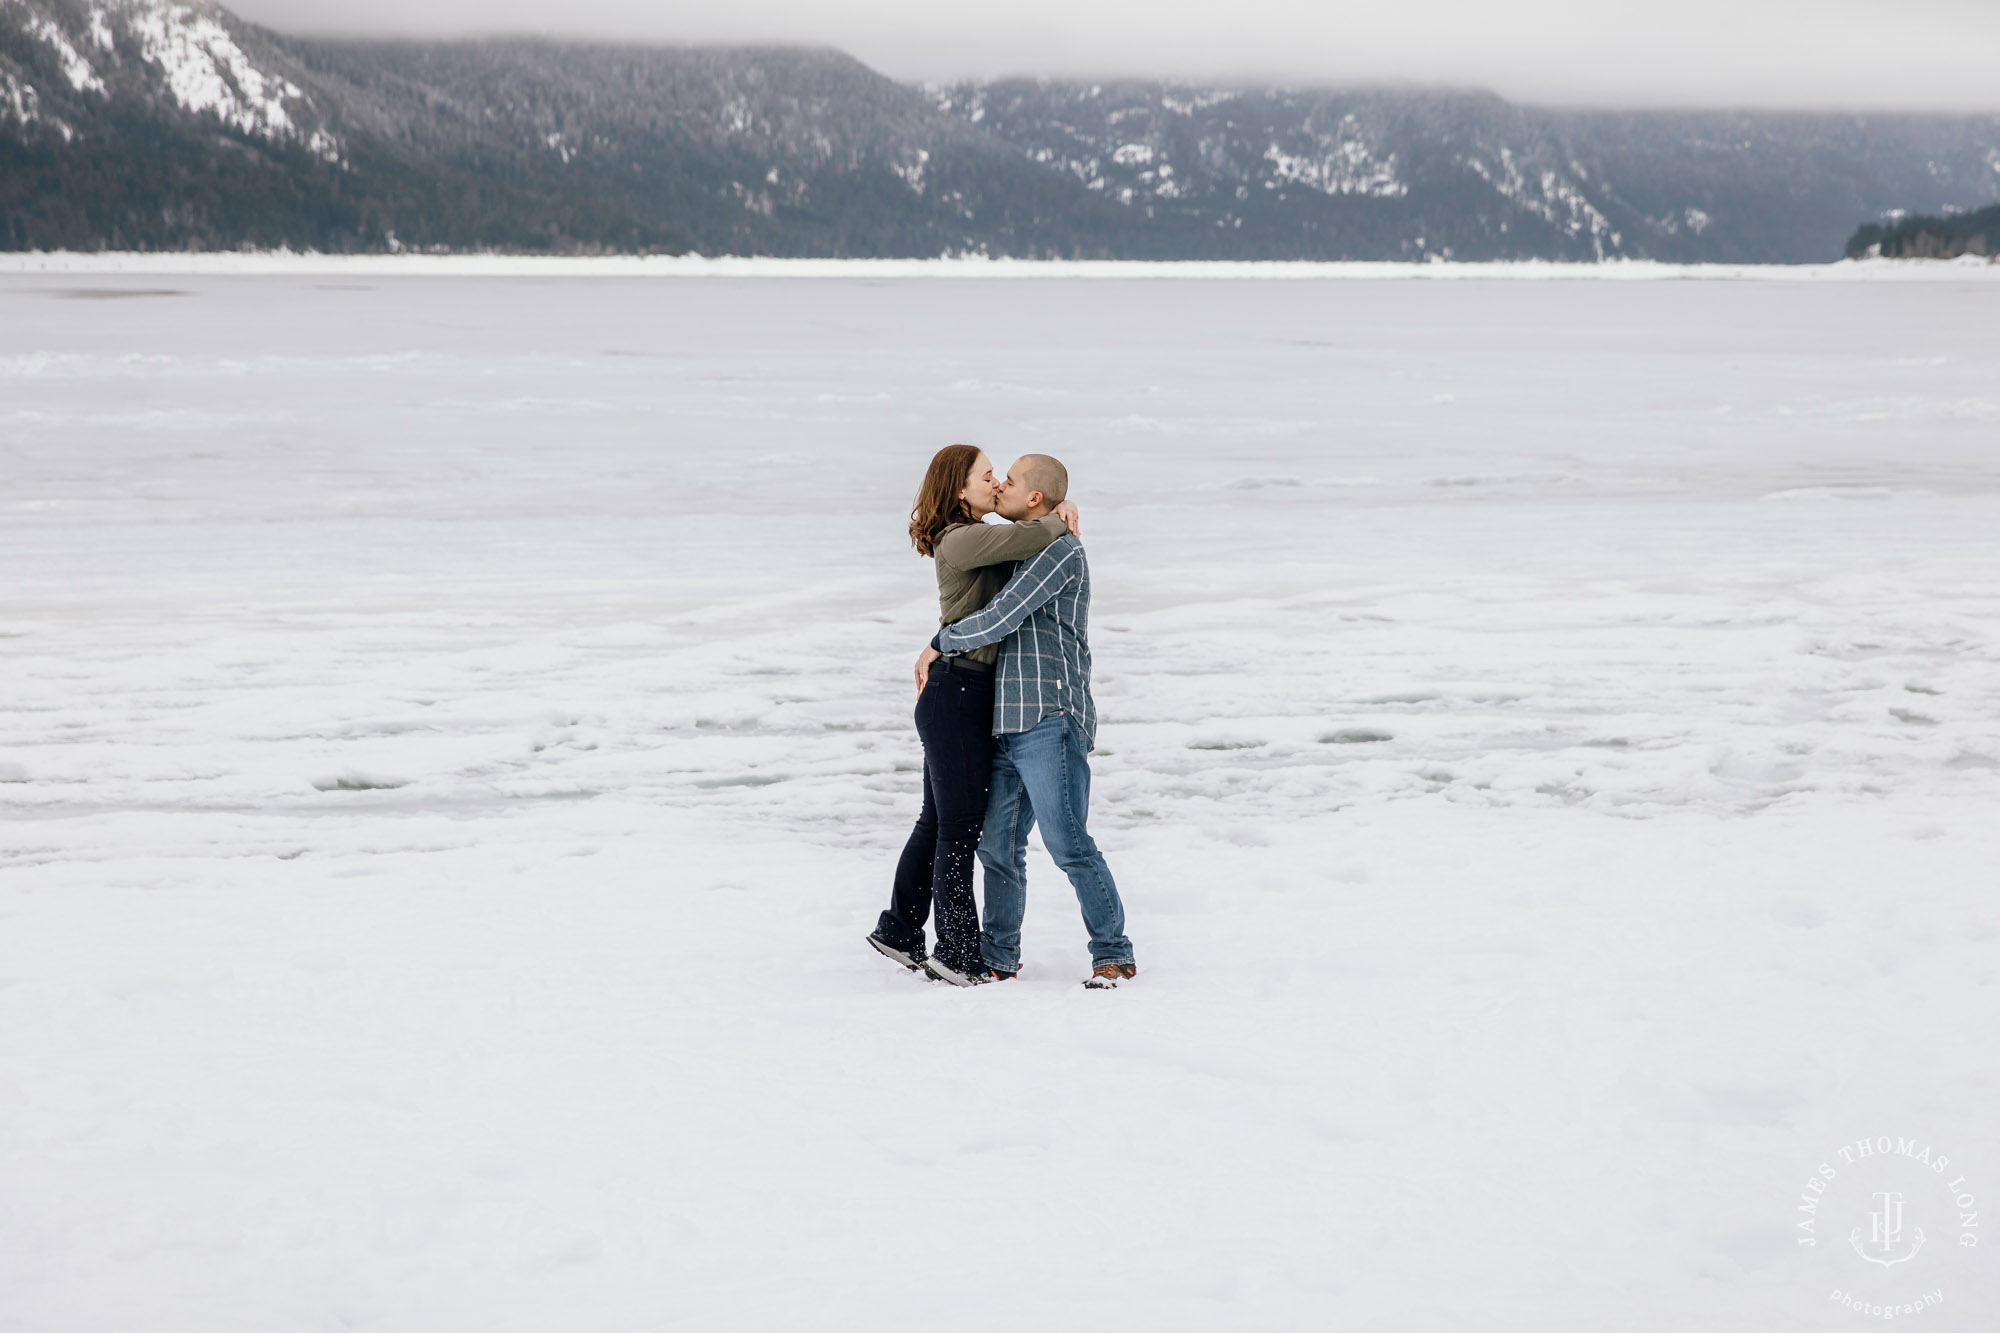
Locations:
(1106, 976)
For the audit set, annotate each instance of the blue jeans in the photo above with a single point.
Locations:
(1042, 776)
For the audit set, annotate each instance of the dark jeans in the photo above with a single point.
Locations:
(955, 722)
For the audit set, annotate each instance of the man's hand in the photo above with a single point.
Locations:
(924, 660)
(1067, 513)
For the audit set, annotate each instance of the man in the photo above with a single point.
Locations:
(1044, 727)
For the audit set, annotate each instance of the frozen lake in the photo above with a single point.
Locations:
(456, 733)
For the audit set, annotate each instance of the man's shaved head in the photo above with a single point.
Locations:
(1039, 472)
(1033, 476)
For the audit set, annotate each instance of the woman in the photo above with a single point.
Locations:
(955, 716)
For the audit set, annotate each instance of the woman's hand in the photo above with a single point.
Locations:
(924, 660)
(1067, 513)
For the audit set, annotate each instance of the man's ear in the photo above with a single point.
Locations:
(1034, 499)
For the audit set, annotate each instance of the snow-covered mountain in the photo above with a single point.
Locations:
(1269, 172)
(64, 62)
(156, 123)
(1372, 174)
(172, 123)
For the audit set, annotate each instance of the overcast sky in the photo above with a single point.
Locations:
(1941, 54)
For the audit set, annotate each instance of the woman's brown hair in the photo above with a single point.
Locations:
(938, 502)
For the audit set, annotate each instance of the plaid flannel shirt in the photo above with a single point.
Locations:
(1043, 615)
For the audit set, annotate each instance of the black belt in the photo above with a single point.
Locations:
(964, 665)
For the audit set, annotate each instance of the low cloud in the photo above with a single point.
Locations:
(1919, 54)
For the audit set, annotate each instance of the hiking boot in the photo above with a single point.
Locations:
(910, 958)
(1002, 975)
(1106, 976)
(976, 975)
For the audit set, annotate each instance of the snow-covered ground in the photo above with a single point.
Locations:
(456, 732)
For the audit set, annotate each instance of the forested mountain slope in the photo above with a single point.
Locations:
(144, 124)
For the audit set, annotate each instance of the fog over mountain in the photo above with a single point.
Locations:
(140, 124)
(1936, 55)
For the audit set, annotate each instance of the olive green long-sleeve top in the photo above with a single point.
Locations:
(974, 560)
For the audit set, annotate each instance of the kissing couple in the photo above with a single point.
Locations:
(1007, 724)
